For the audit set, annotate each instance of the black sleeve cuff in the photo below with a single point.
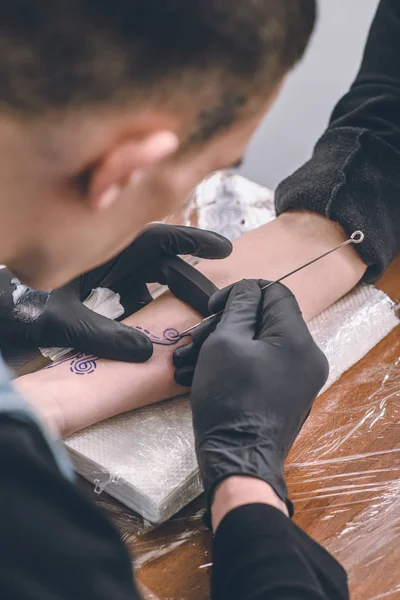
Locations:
(353, 178)
(259, 553)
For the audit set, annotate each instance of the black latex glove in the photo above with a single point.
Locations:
(256, 378)
(60, 319)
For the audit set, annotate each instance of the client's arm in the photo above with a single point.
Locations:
(353, 176)
(70, 401)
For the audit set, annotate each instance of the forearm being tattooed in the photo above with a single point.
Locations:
(70, 403)
(82, 389)
(85, 364)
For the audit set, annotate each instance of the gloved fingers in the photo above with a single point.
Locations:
(150, 246)
(188, 354)
(92, 333)
(109, 339)
(281, 319)
(241, 310)
(218, 300)
(172, 240)
(133, 295)
(280, 314)
(184, 376)
(185, 355)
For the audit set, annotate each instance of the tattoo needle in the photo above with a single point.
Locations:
(356, 238)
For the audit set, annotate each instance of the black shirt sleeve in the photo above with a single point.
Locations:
(260, 554)
(353, 176)
(54, 543)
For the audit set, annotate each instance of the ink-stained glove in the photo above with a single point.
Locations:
(256, 378)
(30, 318)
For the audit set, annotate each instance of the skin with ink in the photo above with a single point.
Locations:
(169, 337)
(86, 364)
(79, 364)
(83, 364)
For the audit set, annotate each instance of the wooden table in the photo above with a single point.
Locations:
(343, 478)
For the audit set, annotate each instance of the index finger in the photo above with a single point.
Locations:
(280, 313)
(241, 310)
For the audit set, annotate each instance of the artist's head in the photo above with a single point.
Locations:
(111, 111)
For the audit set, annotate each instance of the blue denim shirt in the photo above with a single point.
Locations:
(15, 406)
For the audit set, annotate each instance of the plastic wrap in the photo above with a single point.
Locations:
(343, 477)
(343, 473)
(146, 458)
(232, 205)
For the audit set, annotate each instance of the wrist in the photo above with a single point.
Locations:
(324, 231)
(240, 490)
(47, 409)
(68, 403)
(291, 240)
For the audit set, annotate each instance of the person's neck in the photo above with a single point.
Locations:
(7, 248)
(12, 241)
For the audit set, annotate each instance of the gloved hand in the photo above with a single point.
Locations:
(29, 318)
(256, 378)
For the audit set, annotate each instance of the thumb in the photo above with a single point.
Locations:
(201, 243)
(218, 300)
(241, 310)
(178, 239)
(280, 314)
(105, 338)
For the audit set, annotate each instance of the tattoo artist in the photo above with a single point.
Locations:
(30, 319)
(73, 132)
(247, 412)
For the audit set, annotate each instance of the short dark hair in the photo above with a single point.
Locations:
(57, 54)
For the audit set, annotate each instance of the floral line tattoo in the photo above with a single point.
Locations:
(169, 337)
(86, 364)
(79, 364)
(83, 364)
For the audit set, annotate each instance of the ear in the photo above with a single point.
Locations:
(124, 162)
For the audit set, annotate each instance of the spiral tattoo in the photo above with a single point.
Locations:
(79, 364)
(169, 337)
(83, 364)
(86, 364)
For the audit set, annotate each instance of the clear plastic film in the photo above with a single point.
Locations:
(342, 472)
(343, 476)
(146, 458)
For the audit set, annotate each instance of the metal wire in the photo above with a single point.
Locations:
(356, 238)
